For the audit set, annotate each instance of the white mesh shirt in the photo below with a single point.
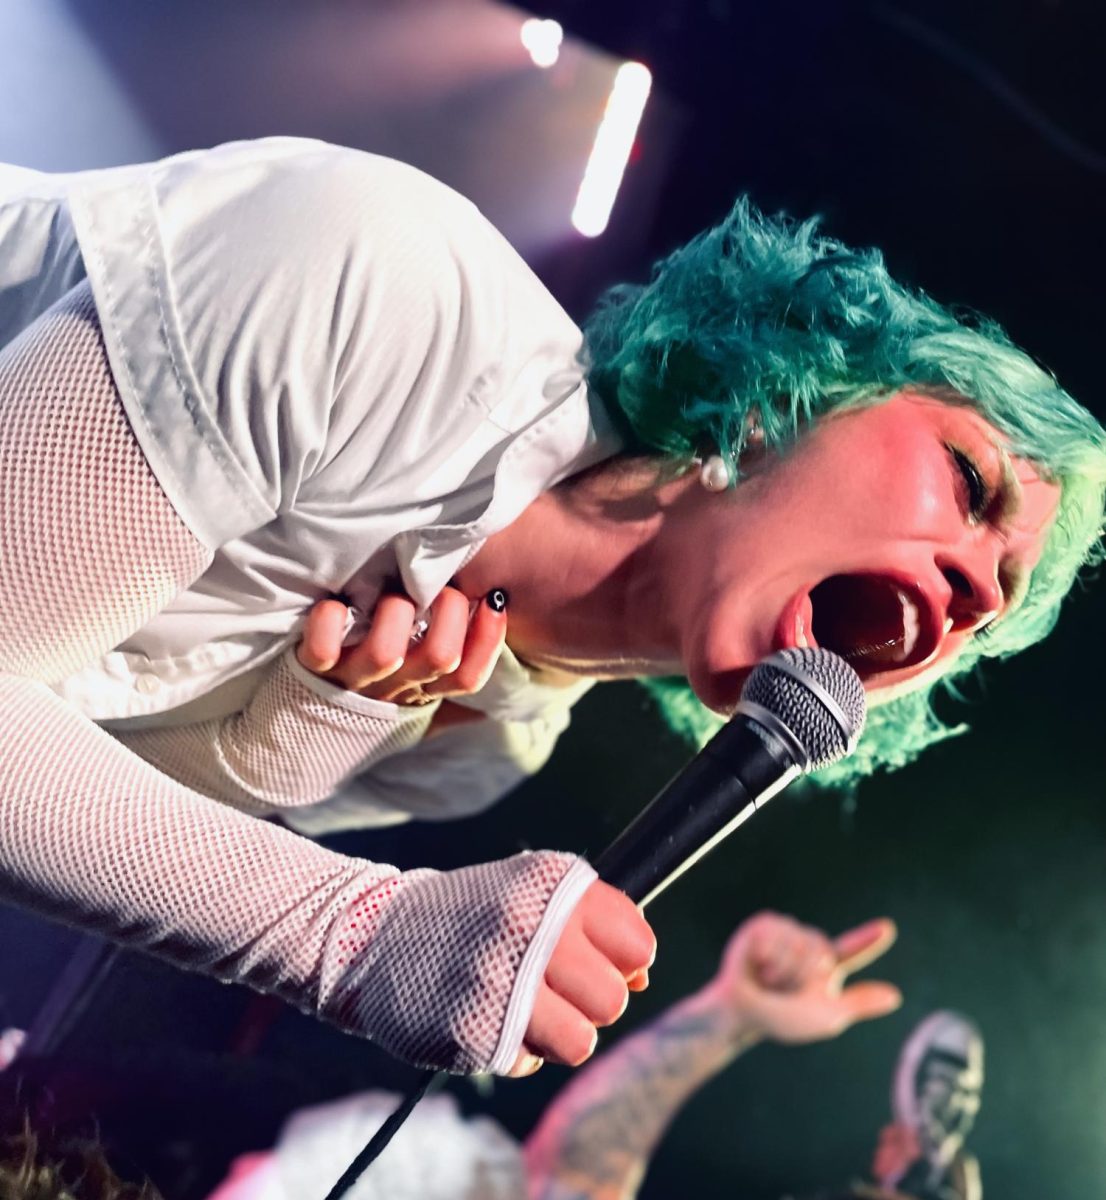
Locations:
(292, 746)
(439, 968)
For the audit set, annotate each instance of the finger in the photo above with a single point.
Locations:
(439, 653)
(868, 1000)
(442, 647)
(484, 638)
(589, 982)
(776, 955)
(615, 927)
(380, 654)
(526, 1063)
(639, 981)
(770, 934)
(559, 1032)
(858, 947)
(815, 959)
(322, 635)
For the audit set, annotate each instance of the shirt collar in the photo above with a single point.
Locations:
(573, 436)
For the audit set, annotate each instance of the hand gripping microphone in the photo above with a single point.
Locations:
(800, 710)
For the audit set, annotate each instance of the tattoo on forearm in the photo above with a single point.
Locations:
(596, 1138)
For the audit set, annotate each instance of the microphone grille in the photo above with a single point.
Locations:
(817, 695)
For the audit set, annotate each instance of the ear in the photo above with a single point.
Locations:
(752, 432)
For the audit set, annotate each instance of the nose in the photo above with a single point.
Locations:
(977, 595)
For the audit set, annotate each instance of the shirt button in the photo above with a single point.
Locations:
(147, 684)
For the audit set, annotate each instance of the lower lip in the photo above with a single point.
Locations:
(795, 624)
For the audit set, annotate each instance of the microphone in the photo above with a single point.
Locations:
(800, 710)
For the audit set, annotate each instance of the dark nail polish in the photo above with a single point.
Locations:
(496, 600)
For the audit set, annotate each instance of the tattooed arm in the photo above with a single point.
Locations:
(778, 980)
(597, 1136)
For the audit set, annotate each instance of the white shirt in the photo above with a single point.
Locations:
(339, 373)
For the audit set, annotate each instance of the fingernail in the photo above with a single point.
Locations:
(530, 1065)
(496, 600)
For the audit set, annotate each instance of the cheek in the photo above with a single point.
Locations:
(864, 480)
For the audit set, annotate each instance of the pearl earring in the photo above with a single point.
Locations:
(714, 473)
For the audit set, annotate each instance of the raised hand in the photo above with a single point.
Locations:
(405, 660)
(787, 981)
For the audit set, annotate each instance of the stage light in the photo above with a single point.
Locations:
(543, 40)
(613, 142)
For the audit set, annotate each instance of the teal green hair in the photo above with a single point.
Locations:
(765, 319)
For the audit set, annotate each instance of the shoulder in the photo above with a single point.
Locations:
(293, 193)
(378, 234)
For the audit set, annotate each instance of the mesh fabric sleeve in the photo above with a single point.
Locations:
(295, 743)
(439, 968)
(458, 772)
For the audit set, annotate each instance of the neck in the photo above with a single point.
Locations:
(576, 566)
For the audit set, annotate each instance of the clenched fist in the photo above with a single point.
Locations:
(603, 954)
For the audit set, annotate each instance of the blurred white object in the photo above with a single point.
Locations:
(543, 39)
(11, 1042)
(611, 152)
(436, 1155)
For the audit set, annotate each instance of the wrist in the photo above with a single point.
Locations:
(735, 1022)
(359, 701)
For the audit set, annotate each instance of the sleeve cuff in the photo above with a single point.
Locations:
(341, 697)
(577, 879)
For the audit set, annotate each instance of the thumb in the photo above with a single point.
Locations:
(868, 1000)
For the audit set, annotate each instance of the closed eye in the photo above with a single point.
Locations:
(976, 492)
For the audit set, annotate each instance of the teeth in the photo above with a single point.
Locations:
(911, 624)
(870, 649)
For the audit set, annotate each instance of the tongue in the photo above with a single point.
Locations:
(865, 619)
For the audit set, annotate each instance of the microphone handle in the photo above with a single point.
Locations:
(696, 809)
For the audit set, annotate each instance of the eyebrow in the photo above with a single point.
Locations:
(1010, 494)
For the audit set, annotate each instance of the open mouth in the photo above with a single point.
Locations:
(875, 622)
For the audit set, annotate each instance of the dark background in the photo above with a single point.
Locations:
(968, 141)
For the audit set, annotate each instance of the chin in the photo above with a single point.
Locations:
(719, 690)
